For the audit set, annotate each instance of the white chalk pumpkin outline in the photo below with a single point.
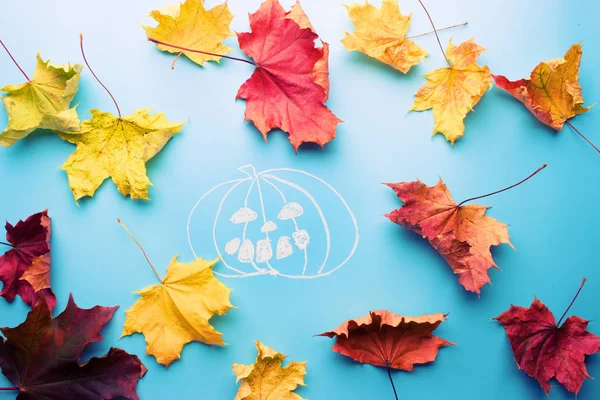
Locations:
(266, 176)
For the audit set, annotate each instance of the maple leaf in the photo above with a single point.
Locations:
(544, 349)
(267, 379)
(320, 72)
(462, 235)
(282, 92)
(178, 309)
(191, 25)
(388, 340)
(41, 357)
(381, 33)
(452, 92)
(25, 268)
(552, 92)
(41, 103)
(116, 147)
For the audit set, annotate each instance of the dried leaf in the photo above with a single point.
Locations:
(267, 379)
(381, 33)
(453, 92)
(177, 311)
(42, 103)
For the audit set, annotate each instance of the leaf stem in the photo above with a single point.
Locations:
(392, 382)
(15, 61)
(439, 30)
(95, 76)
(582, 135)
(506, 188)
(436, 34)
(202, 52)
(141, 248)
(7, 244)
(10, 388)
(572, 301)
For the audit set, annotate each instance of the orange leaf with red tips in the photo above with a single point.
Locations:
(462, 235)
(552, 92)
(544, 349)
(25, 268)
(287, 89)
(388, 340)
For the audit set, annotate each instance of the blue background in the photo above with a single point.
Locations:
(553, 218)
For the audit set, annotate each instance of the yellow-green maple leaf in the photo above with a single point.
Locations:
(453, 91)
(177, 311)
(192, 26)
(381, 33)
(267, 379)
(42, 103)
(108, 146)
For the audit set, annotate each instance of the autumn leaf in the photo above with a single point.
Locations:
(42, 102)
(41, 357)
(462, 234)
(25, 268)
(282, 92)
(385, 339)
(191, 25)
(178, 309)
(452, 92)
(267, 379)
(545, 349)
(552, 92)
(116, 147)
(381, 33)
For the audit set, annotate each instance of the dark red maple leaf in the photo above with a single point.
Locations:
(41, 357)
(282, 92)
(25, 268)
(544, 349)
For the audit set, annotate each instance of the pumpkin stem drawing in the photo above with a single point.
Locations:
(436, 33)
(142, 249)
(506, 188)
(261, 240)
(96, 77)
(572, 301)
(200, 52)
(15, 61)
(439, 30)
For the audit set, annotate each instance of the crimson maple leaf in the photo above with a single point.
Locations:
(385, 339)
(545, 349)
(283, 91)
(25, 268)
(41, 357)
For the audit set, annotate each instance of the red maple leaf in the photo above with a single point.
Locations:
(25, 268)
(40, 357)
(385, 339)
(544, 349)
(283, 92)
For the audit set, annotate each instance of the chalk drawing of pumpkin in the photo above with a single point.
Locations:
(267, 223)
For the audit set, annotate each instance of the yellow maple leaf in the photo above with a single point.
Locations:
(552, 92)
(177, 311)
(453, 91)
(267, 379)
(381, 33)
(42, 103)
(108, 146)
(192, 26)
